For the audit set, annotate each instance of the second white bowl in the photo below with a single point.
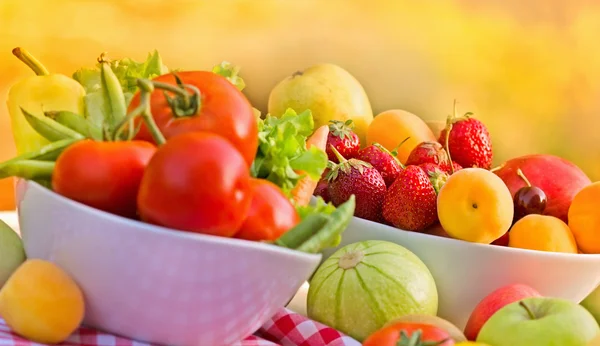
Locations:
(466, 272)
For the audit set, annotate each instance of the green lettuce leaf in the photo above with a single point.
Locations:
(282, 150)
(230, 71)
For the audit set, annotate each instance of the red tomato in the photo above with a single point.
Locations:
(196, 182)
(271, 213)
(391, 335)
(223, 110)
(103, 175)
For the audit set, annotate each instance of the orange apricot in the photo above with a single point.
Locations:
(584, 218)
(41, 302)
(392, 127)
(543, 233)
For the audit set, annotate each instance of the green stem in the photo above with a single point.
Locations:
(175, 89)
(184, 103)
(522, 176)
(30, 61)
(128, 119)
(147, 87)
(529, 312)
(449, 123)
(28, 169)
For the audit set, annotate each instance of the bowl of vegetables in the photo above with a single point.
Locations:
(182, 215)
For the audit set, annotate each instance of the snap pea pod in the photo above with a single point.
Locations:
(330, 233)
(28, 169)
(50, 129)
(77, 123)
(48, 152)
(302, 231)
(114, 94)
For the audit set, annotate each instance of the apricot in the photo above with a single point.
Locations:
(41, 302)
(475, 205)
(584, 218)
(542, 233)
(392, 127)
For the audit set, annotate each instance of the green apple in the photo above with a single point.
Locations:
(592, 303)
(540, 321)
(12, 253)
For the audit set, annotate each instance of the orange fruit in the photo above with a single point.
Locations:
(475, 205)
(584, 218)
(391, 127)
(543, 233)
(41, 302)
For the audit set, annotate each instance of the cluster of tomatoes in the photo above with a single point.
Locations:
(198, 180)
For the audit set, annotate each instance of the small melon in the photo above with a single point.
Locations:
(367, 284)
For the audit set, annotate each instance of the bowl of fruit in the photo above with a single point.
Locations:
(531, 220)
(181, 223)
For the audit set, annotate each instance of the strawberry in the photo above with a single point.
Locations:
(322, 188)
(411, 202)
(358, 178)
(427, 152)
(385, 162)
(468, 141)
(343, 139)
(444, 166)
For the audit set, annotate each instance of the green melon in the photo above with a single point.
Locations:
(364, 285)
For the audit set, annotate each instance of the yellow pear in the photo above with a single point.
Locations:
(329, 92)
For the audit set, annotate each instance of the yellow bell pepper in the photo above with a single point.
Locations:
(38, 94)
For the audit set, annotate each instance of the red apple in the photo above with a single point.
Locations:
(560, 179)
(493, 302)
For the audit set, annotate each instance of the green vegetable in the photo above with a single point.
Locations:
(230, 71)
(320, 229)
(50, 129)
(108, 94)
(282, 150)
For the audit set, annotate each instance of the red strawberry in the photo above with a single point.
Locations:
(343, 139)
(358, 178)
(444, 166)
(468, 141)
(385, 162)
(322, 188)
(411, 202)
(427, 152)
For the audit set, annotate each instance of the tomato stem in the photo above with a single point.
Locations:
(30, 61)
(184, 103)
(146, 88)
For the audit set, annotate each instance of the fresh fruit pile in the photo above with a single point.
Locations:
(382, 294)
(405, 175)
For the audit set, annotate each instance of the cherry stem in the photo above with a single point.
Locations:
(522, 176)
(449, 122)
(529, 312)
(337, 154)
(30, 61)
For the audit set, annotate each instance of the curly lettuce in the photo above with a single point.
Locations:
(282, 151)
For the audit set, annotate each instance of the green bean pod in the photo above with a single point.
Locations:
(113, 92)
(329, 234)
(77, 123)
(50, 129)
(28, 169)
(302, 231)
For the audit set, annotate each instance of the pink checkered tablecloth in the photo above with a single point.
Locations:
(286, 328)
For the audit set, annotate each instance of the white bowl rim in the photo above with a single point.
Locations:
(156, 229)
(564, 255)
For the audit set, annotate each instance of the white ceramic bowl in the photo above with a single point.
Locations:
(158, 285)
(466, 272)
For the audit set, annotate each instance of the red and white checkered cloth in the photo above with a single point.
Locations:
(286, 328)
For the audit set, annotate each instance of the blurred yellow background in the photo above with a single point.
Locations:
(529, 69)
